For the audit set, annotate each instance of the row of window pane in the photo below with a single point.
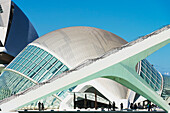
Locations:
(37, 64)
(150, 75)
(12, 83)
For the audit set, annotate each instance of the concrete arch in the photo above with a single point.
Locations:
(108, 88)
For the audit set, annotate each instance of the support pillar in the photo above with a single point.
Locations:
(74, 100)
(85, 102)
(95, 100)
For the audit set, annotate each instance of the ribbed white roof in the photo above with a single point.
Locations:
(76, 44)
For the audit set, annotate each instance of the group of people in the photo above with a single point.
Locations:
(114, 106)
(40, 106)
(135, 106)
(150, 106)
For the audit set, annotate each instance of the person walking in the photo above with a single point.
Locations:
(135, 106)
(131, 106)
(149, 106)
(39, 106)
(114, 106)
(121, 106)
(42, 105)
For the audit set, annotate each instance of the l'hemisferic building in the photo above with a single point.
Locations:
(81, 51)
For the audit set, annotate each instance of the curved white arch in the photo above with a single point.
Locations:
(110, 89)
(32, 80)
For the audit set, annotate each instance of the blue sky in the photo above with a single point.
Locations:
(128, 19)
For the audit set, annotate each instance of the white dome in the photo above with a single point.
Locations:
(76, 44)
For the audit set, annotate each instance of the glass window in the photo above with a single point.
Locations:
(36, 50)
(40, 52)
(19, 68)
(42, 63)
(16, 58)
(27, 71)
(147, 80)
(24, 53)
(30, 57)
(28, 63)
(59, 72)
(152, 85)
(36, 68)
(22, 70)
(13, 65)
(153, 76)
(45, 76)
(52, 61)
(142, 75)
(25, 62)
(35, 57)
(147, 74)
(38, 60)
(32, 66)
(64, 69)
(41, 72)
(47, 66)
(32, 74)
(48, 57)
(44, 54)
(53, 70)
(58, 64)
(29, 47)
(33, 49)
(16, 66)
(36, 77)
(22, 60)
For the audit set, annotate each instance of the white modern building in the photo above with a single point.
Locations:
(16, 32)
(98, 61)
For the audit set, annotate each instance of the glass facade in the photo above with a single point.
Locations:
(51, 102)
(166, 87)
(150, 75)
(11, 83)
(35, 63)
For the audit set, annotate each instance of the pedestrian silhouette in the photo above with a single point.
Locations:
(121, 106)
(114, 106)
(139, 106)
(42, 105)
(39, 106)
(109, 107)
(131, 106)
(149, 106)
(135, 106)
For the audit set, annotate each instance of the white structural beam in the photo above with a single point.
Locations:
(88, 72)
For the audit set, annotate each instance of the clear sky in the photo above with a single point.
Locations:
(128, 19)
